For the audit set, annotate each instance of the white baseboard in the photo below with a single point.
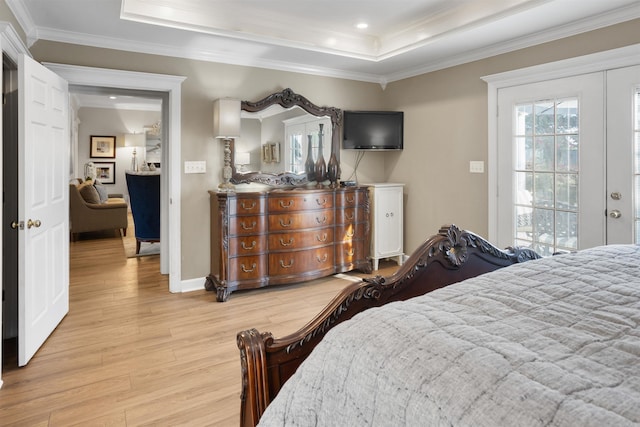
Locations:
(192, 284)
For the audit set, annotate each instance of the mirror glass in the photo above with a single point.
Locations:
(279, 134)
(278, 140)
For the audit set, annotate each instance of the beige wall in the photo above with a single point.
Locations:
(445, 127)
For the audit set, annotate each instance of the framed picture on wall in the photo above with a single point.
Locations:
(103, 147)
(105, 172)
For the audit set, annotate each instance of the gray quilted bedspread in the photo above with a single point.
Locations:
(554, 341)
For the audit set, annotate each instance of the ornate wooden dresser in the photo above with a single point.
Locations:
(286, 236)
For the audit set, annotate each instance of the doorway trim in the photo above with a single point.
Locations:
(170, 181)
(601, 61)
(10, 44)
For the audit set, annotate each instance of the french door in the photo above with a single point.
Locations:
(566, 162)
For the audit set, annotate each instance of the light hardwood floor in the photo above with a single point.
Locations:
(130, 353)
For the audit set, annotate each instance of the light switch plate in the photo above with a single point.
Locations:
(199, 166)
(476, 166)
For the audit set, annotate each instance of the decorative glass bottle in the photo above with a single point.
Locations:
(333, 168)
(309, 164)
(321, 165)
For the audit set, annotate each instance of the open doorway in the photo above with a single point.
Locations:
(171, 87)
(125, 115)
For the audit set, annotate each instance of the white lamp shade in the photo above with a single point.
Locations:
(135, 140)
(243, 158)
(226, 118)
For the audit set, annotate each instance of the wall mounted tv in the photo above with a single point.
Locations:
(373, 130)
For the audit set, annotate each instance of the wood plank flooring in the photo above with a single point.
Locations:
(130, 353)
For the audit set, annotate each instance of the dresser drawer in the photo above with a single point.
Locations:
(300, 239)
(349, 215)
(243, 225)
(350, 198)
(247, 245)
(247, 267)
(247, 205)
(350, 252)
(296, 202)
(305, 261)
(302, 220)
(348, 233)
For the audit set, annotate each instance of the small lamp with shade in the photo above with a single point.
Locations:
(135, 140)
(226, 125)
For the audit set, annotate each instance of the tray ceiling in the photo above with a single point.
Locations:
(403, 38)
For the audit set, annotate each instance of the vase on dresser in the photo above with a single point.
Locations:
(309, 164)
(321, 165)
(333, 170)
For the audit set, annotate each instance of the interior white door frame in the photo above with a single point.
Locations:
(10, 44)
(169, 199)
(601, 61)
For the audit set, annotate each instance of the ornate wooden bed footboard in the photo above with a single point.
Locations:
(448, 257)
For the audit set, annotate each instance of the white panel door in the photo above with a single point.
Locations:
(43, 205)
(623, 155)
(551, 171)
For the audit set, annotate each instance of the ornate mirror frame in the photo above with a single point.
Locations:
(287, 99)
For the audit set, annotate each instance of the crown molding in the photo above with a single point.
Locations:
(23, 17)
(588, 24)
(12, 44)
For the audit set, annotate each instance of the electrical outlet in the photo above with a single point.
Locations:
(195, 167)
(476, 166)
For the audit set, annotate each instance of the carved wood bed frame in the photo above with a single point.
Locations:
(448, 257)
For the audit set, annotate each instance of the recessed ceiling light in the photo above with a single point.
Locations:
(362, 25)
(113, 97)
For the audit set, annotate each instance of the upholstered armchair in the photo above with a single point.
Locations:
(144, 198)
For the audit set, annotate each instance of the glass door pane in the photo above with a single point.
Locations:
(546, 180)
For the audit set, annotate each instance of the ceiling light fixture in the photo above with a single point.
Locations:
(362, 25)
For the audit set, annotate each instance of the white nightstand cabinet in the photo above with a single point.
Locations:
(387, 222)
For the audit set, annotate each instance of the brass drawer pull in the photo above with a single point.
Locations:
(282, 205)
(248, 248)
(350, 217)
(323, 238)
(246, 270)
(323, 259)
(282, 264)
(321, 202)
(288, 224)
(351, 233)
(321, 221)
(351, 252)
(245, 227)
(245, 207)
(351, 199)
(289, 243)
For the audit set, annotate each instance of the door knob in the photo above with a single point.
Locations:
(35, 223)
(616, 196)
(17, 224)
(615, 213)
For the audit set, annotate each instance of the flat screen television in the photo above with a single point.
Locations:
(373, 130)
